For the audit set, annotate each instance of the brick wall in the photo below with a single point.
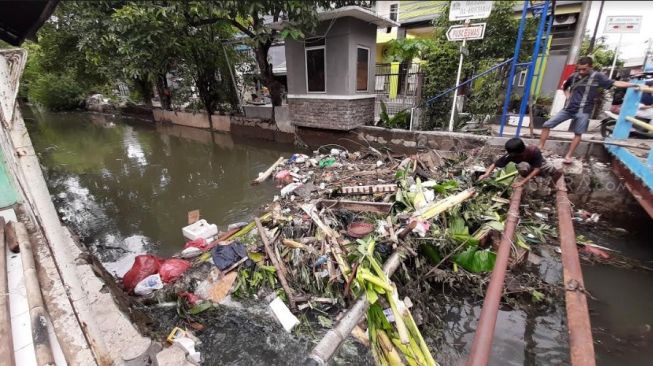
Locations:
(332, 114)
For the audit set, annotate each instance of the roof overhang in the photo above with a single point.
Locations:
(347, 11)
(20, 20)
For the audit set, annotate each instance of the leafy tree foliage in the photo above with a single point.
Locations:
(486, 94)
(601, 54)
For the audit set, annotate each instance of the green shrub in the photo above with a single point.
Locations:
(400, 120)
(56, 92)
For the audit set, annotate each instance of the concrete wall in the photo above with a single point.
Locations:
(363, 35)
(258, 111)
(554, 66)
(296, 67)
(197, 120)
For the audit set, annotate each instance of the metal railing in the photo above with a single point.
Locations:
(398, 85)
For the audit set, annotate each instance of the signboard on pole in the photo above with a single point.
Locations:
(623, 24)
(470, 32)
(463, 10)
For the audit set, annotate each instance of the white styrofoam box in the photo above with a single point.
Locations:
(200, 229)
(283, 314)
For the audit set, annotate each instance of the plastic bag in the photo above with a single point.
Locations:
(148, 285)
(171, 269)
(144, 265)
(200, 243)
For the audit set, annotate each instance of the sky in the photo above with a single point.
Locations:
(632, 45)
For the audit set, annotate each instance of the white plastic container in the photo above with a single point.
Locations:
(283, 314)
(200, 229)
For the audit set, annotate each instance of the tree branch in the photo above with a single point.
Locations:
(240, 27)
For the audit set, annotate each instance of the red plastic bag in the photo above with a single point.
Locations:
(197, 243)
(190, 297)
(171, 269)
(144, 265)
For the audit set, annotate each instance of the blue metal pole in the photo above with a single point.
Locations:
(531, 67)
(515, 58)
(545, 52)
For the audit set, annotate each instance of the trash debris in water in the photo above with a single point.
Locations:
(322, 241)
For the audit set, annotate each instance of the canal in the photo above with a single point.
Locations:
(125, 187)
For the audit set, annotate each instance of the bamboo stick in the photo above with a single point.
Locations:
(327, 347)
(273, 259)
(309, 208)
(7, 344)
(266, 174)
(437, 208)
(39, 317)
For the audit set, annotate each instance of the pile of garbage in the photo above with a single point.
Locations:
(322, 242)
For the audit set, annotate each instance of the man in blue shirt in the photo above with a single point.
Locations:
(581, 90)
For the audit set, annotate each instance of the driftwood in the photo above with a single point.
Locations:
(273, 259)
(266, 174)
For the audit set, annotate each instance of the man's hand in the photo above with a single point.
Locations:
(519, 184)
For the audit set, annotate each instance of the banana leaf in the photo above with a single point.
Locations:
(475, 260)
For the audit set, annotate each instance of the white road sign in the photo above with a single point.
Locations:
(623, 24)
(462, 10)
(471, 32)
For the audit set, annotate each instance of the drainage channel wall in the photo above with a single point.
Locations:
(591, 183)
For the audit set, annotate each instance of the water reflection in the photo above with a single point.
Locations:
(114, 178)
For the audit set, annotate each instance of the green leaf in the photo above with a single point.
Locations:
(324, 321)
(203, 306)
(445, 186)
(475, 260)
(537, 296)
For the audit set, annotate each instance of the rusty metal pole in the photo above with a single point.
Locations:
(581, 344)
(482, 345)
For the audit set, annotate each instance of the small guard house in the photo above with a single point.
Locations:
(330, 73)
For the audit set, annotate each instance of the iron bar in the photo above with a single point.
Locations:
(581, 345)
(513, 66)
(531, 68)
(430, 100)
(482, 345)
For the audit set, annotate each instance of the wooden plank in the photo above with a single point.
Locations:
(357, 206)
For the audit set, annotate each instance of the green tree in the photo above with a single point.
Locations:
(602, 55)
(406, 49)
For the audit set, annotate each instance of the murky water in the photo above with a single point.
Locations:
(126, 186)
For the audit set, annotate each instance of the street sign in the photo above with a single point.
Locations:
(623, 24)
(471, 32)
(463, 10)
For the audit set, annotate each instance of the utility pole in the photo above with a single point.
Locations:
(616, 54)
(596, 28)
(572, 57)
